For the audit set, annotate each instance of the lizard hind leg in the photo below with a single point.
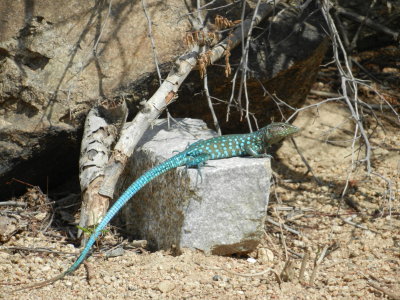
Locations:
(198, 162)
(199, 167)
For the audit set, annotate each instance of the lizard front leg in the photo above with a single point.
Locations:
(255, 151)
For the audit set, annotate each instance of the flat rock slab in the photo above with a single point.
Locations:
(220, 212)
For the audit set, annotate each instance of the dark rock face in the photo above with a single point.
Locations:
(55, 64)
(285, 54)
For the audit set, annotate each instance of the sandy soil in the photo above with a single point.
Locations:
(358, 236)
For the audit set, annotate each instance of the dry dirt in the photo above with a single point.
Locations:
(358, 235)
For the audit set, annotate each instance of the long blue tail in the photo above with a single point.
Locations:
(174, 162)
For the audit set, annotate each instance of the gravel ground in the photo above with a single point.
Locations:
(352, 244)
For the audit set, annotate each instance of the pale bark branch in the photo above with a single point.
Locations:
(104, 189)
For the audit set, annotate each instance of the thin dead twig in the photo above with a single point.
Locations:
(210, 105)
(287, 273)
(244, 62)
(293, 208)
(317, 262)
(390, 294)
(284, 226)
(243, 65)
(349, 91)
(205, 78)
(353, 43)
(153, 44)
(343, 32)
(306, 257)
(39, 250)
(245, 274)
(390, 189)
(309, 169)
(271, 242)
(383, 107)
(13, 203)
(350, 222)
(89, 273)
(368, 22)
(349, 88)
(298, 110)
(299, 255)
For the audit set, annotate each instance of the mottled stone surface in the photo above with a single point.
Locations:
(220, 212)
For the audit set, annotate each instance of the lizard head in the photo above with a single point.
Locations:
(275, 132)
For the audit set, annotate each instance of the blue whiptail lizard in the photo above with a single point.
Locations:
(253, 144)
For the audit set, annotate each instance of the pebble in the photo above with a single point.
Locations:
(298, 243)
(265, 255)
(107, 279)
(217, 278)
(251, 260)
(381, 151)
(165, 286)
(38, 260)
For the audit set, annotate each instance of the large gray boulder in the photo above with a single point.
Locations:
(221, 211)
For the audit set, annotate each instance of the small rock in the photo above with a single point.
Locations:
(115, 252)
(166, 286)
(298, 243)
(217, 278)
(381, 134)
(68, 284)
(107, 279)
(337, 229)
(40, 216)
(38, 260)
(390, 70)
(381, 151)
(265, 255)
(363, 190)
(132, 287)
(354, 253)
(369, 234)
(251, 260)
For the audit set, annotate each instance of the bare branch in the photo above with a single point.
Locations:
(166, 93)
(368, 22)
(13, 203)
(153, 44)
(348, 85)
